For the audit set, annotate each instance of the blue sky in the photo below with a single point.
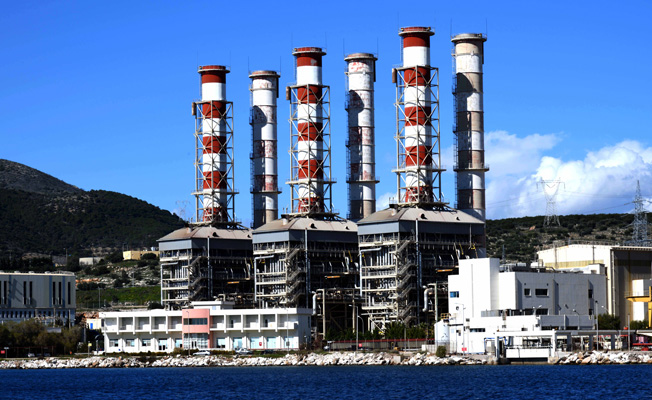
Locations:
(98, 94)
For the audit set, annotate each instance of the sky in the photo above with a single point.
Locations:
(98, 94)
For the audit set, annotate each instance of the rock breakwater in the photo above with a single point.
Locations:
(313, 359)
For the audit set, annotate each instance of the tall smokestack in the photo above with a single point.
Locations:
(264, 167)
(417, 99)
(310, 151)
(470, 167)
(361, 75)
(214, 149)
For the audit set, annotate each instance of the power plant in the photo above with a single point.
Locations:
(408, 250)
(211, 258)
(309, 252)
(382, 266)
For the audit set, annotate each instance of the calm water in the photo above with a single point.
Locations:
(384, 382)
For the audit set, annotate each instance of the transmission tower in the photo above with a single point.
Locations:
(639, 226)
(550, 189)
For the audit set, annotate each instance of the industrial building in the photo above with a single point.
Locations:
(48, 297)
(206, 325)
(623, 265)
(408, 250)
(211, 258)
(309, 255)
(487, 300)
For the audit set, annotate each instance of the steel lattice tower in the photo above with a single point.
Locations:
(639, 226)
(550, 189)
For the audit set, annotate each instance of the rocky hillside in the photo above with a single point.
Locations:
(522, 237)
(42, 214)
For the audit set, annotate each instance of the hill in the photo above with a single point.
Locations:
(522, 237)
(42, 214)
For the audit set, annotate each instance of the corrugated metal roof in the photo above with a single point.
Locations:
(414, 213)
(302, 223)
(202, 232)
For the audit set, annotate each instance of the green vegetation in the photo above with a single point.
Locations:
(131, 295)
(32, 336)
(634, 325)
(34, 222)
(441, 351)
(608, 322)
(522, 237)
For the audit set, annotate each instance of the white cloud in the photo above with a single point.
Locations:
(383, 200)
(604, 181)
(508, 154)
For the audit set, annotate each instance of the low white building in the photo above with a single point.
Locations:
(207, 325)
(48, 297)
(487, 300)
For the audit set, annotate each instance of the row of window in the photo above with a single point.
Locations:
(200, 341)
(23, 314)
(28, 292)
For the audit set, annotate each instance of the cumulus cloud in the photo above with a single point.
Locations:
(383, 200)
(603, 181)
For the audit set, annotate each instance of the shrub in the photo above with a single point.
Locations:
(441, 351)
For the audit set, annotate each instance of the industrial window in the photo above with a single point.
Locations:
(114, 342)
(455, 294)
(24, 292)
(147, 342)
(60, 296)
(162, 344)
(541, 292)
(54, 293)
(129, 343)
(31, 292)
(590, 293)
(68, 293)
(527, 292)
(476, 329)
(542, 311)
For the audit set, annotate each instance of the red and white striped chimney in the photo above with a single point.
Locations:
(415, 97)
(361, 75)
(214, 138)
(264, 169)
(308, 132)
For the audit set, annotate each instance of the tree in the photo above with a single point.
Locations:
(114, 257)
(608, 321)
(634, 325)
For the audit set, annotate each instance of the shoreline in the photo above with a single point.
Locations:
(314, 359)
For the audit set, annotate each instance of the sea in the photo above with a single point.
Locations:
(340, 382)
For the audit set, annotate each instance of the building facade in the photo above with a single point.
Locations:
(623, 265)
(49, 297)
(487, 300)
(207, 326)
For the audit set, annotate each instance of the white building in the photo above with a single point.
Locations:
(47, 296)
(212, 325)
(487, 300)
(623, 265)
